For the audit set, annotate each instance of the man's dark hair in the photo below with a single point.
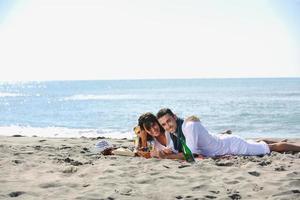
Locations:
(163, 112)
(146, 121)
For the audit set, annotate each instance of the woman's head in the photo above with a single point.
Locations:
(149, 123)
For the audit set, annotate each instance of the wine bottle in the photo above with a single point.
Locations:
(187, 153)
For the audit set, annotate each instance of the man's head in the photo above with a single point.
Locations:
(149, 123)
(167, 119)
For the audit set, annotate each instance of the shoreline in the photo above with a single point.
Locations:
(70, 168)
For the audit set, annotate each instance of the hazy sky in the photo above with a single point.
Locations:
(118, 39)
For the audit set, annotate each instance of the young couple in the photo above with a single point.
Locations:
(166, 129)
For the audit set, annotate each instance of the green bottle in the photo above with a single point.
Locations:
(188, 155)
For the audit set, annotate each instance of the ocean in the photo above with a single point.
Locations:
(250, 107)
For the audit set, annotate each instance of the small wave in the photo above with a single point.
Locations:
(99, 97)
(62, 132)
(287, 94)
(6, 94)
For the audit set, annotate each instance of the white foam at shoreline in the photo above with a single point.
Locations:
(61, 132)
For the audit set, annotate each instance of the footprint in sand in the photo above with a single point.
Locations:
(16, 194)
(254, 173)
(232, 182)
(210, 197)
(241, 178)
(17, 161)
(235, 196)
(289, 192)
(49, 185)
(143, 181)
(199, 187)
(265, 163)
(214, 191)
(183, 166)
(64, 147)
(280, 169)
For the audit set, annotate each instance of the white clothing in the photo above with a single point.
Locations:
(201, 142)
(169, 144)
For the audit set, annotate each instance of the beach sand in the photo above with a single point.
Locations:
(69, 168)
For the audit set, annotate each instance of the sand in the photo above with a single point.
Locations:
(69, 168)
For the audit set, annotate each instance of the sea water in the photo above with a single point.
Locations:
(254, 107)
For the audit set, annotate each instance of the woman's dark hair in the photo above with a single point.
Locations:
(163, 112)
(146, 121)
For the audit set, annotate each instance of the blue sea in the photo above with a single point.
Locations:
(253, 107)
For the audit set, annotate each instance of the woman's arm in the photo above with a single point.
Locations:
(163, 155)
(143, 136)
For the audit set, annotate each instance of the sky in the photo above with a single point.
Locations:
(153, 39)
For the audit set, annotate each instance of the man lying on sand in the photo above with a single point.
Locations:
(201, 142)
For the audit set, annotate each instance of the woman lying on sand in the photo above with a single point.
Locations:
(162, 143)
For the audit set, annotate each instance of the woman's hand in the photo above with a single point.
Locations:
(143, 154)
(161, 154)
(167, 151)
(154, 153)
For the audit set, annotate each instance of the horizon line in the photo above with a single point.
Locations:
(164, 78)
